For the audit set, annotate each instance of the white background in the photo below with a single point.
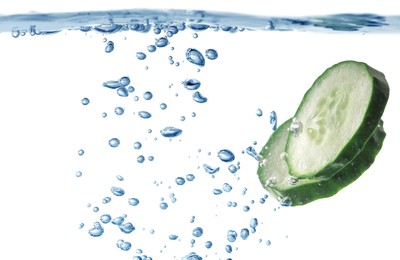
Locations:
(43, 125)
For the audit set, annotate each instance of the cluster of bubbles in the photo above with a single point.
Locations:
(123, 88)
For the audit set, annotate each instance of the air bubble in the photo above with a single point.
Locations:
(197, 232)
(114, 142)
(109, 47)
(140, 55)
(195, 57)
(226, 155)
(295, 127)
(85, 101)
(211, 54)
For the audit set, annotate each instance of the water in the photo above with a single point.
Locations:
(116, 87)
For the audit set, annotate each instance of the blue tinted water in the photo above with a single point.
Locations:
(158, 103)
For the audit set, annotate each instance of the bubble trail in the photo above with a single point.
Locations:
(226, 155)
(195, 57)
(191, 84)
(199, 98)
(170, 131)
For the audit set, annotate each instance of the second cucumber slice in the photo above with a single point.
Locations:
(274, 176)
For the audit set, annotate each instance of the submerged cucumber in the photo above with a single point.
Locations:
(335, 119)
(274, 176)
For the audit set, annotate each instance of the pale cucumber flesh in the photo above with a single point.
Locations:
(335, 119)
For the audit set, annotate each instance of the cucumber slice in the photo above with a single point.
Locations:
(336, 117)
(274, 176)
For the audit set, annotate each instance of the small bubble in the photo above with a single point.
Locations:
(81, 152)
(120, 178)
(273, 120)
(95, 209)
(295, 127)
(163, 205)
(163, 106)
(122, 92)
(97, 230)
(104, 114)
(252, 152)
(117, 191)
(211, 54)
(217, 191)
(268, 242)
(137, 145)
(285, 201)
(133, 201)
(209, 169)
(78, 174)
(161, 42)
(253, 222)
(150, 158)
(283, 156)
(15, 33)
(144, 114)
(231, 236)
(147, 95)
(190, 177)
(195, 57)
(140, 159)
(170, 131)
(246, 208)
(193, 114)
(195, 35)
(151, 48)
(136, 98)
(293, 180)
(81, 225)
(191, 84)
(131, 89)
(114, 142)
(140, 55)
(228, 248)
(232, 168)
(270, 182)
(259, 112)
(244, 233)
(208, 244)
(180, 181)
(106, 200)
(85, 101)
(109, 47)
(226, 187)
(226, 155)
(118, 220)
(119, 110)
(197, 232)
(124, 81)
(127, 228)
(173, 237)
(192, 219)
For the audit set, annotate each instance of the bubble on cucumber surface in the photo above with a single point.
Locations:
(166, 165)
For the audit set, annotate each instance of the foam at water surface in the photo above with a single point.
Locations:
(143, 19)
